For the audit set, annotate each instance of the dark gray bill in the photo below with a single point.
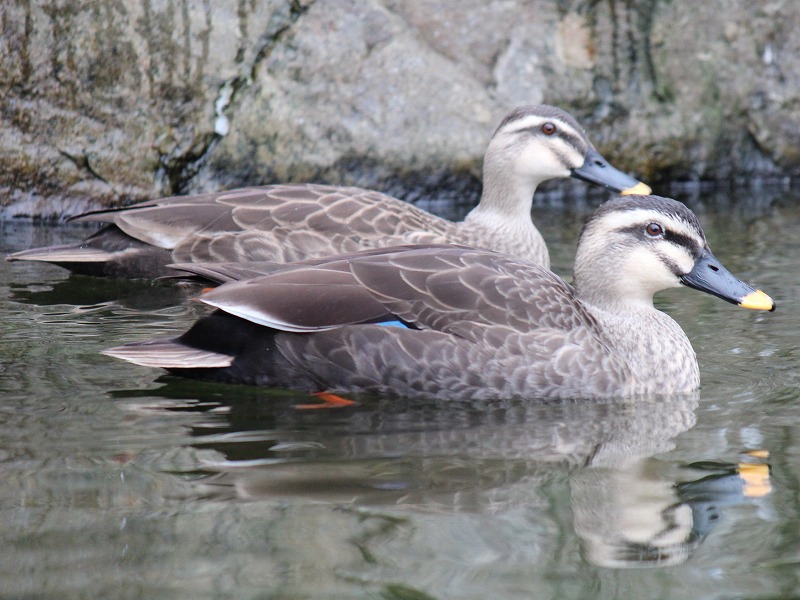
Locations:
(708, 275)
(596, 169)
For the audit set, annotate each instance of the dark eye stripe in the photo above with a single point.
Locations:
(572, 139)
(563, 131)
(672, 266)
(686, 241)
(679, 239)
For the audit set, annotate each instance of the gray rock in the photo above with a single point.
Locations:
(112, 102)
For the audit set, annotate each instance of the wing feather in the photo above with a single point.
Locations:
(169, 354)
(310, 299)
(445, 288)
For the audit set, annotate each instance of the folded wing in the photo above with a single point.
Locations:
(452, 289)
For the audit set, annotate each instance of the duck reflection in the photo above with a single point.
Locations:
(639, 516)
(629, 507)
(90, 292)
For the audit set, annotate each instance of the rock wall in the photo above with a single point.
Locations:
(115, 101)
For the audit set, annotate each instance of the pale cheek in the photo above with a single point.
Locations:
(684, 261)
(536, 161)
(649, 271)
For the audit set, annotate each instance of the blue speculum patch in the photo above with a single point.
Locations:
(393, 324)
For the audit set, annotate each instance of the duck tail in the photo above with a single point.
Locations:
(66, 253)
(219, 347)
(169, 354)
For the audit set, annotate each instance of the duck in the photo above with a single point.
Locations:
(470, 323)
(288, 222)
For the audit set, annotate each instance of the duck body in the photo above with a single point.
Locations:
(574, 351)
(284, 223)
(478, 324)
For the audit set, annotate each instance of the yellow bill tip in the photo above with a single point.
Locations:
(757, 300)
(640, 189)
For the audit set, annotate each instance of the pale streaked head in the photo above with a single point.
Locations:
(635, 246)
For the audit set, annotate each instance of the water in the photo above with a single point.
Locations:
(120, 482)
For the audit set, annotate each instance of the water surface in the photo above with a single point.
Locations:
(118, 481)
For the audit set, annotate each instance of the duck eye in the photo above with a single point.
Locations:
(548, 128)
(654, 230)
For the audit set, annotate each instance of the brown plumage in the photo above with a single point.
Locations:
(284, 223)
(479, 324)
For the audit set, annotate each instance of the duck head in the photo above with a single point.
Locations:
(541, 142)
(635, 246)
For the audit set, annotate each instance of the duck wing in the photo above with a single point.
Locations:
(354, 212)
(223, 272)
(277, 223)
(218, 273)
(281, 223)
(444, 288)
(166, 226)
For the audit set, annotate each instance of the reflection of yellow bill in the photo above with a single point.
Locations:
(755, 476)
(758, 453)
(640, 189)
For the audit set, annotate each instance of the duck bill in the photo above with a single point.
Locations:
(596, 169)
(708, 275)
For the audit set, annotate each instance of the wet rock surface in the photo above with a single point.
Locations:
(108, 103)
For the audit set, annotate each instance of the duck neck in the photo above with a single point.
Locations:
(506, 194)
(504, 214)
(602, 290)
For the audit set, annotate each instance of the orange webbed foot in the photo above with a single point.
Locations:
(328, 401)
